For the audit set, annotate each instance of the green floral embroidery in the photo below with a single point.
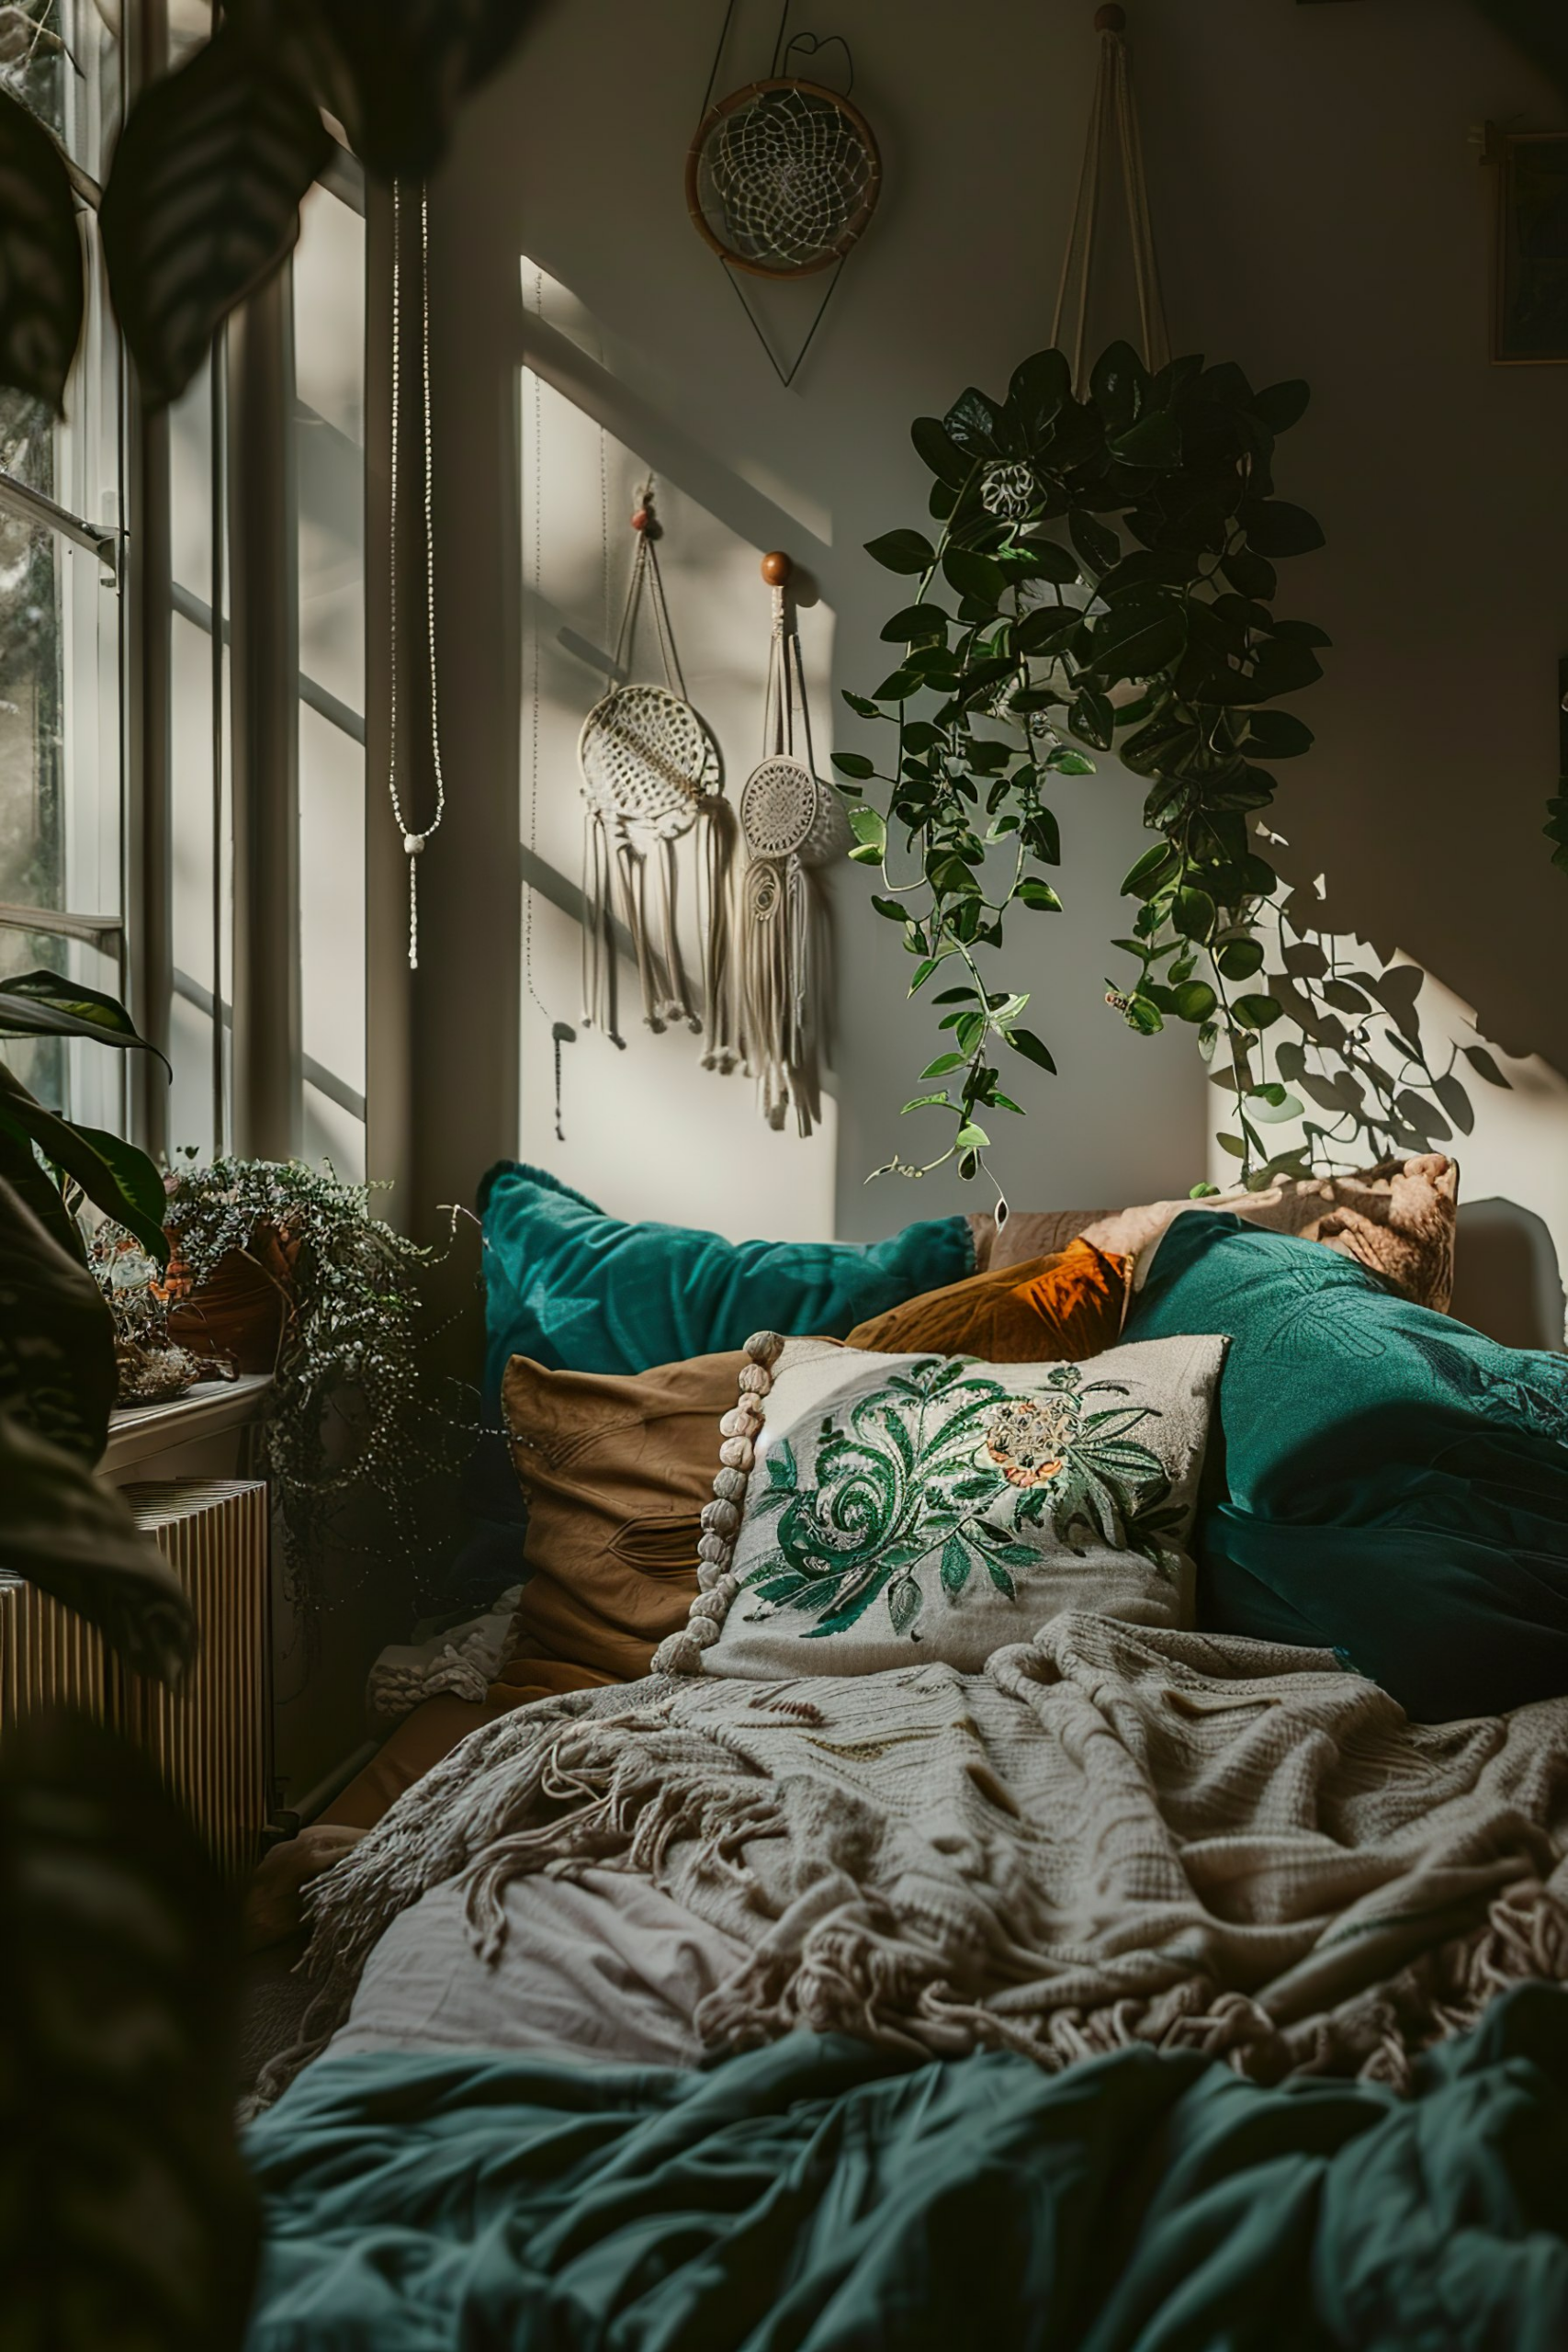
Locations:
(947, 1464)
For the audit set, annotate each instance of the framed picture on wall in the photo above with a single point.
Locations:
(1530, 323)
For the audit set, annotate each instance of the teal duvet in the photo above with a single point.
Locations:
(821, 2193)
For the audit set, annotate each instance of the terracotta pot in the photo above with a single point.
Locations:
(238, 1310)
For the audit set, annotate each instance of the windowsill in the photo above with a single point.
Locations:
(138, 1432)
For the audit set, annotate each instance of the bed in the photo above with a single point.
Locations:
(1134, 1983)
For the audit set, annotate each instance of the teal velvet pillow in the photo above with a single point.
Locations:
(578, 1291)
(1386, 1482)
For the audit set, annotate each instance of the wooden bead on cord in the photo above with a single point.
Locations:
(776, 569)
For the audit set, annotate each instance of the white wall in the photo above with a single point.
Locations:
(1320, 213)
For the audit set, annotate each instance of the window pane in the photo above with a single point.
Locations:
(329, 363)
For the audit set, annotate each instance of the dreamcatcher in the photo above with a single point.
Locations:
(790, 822)
(782, 179)
(651, 772)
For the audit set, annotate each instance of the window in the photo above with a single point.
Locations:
(61, 623)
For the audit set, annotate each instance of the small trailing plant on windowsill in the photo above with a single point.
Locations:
(355, 1416)
(1103, 576)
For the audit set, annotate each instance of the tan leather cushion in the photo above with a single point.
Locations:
(1398, 1219)
(615, 1468)
(1051, 1310)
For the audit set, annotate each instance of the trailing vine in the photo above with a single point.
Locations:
(1103, 576)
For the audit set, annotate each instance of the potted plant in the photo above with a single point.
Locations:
(288, 1262)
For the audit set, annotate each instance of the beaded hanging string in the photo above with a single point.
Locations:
(561, 1032)
(415, 842)
(1112, 113)
(789, 823)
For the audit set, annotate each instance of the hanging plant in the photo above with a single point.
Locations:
(1103, 575)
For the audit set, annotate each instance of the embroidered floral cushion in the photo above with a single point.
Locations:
(874, 1510)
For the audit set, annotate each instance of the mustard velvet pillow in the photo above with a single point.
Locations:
(1060, 1308)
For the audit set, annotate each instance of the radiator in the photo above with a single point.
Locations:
(212, 1739)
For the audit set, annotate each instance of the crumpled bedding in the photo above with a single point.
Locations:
(1113, 1833)
(605, 1967)
(824, 2195)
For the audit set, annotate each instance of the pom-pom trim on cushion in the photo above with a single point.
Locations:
(682, 1652)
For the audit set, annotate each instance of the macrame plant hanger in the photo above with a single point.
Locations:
(415, 841)
(651, 772)
(790, 822)
(1113, 115)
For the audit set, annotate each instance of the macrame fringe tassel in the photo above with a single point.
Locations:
(678, 997)
(778, 990)
(599, 1000)
(716, 872)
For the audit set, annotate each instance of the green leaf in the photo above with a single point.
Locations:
(1092, 717)
(1482, 1063)
(870, 830)
(1038, 895)
(1240, 959)
(916, 625)
(44, 1004)
(902, 551)
(1025, 1042)
(1233, 1145)
(1277, 735)
(1154, 867)
(42, 292)
(1140, 641)
(1119, 385)
(1280, 406)
(1193, 913)
(971, 1138)
(934, 443)
(975, 575)
(70, 1533)
(1274, 527)
(1145, 1016)
(855, 764)
(1097, 544)
(899, 685)
(57, 1361)
(120, 1183)
(863, 706)
(944, 1063)
(1047, 628)
(129, 2217)
(970, 423)
(1154, 440)
(1193, 1001)
(1041, 387)
(1249, 575)
(202, 204)
(924, 1102)
(1257, 1012)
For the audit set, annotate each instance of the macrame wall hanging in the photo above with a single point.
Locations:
(783, 177)
(790, 824)
(1113, 117)
(652, 776)
(416, 838)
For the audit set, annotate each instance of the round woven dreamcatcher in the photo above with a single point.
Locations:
(781, 180)
(783, 177)
(790, 822)
(651, 772)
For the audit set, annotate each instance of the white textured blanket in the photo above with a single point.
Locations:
(1112, 1834)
